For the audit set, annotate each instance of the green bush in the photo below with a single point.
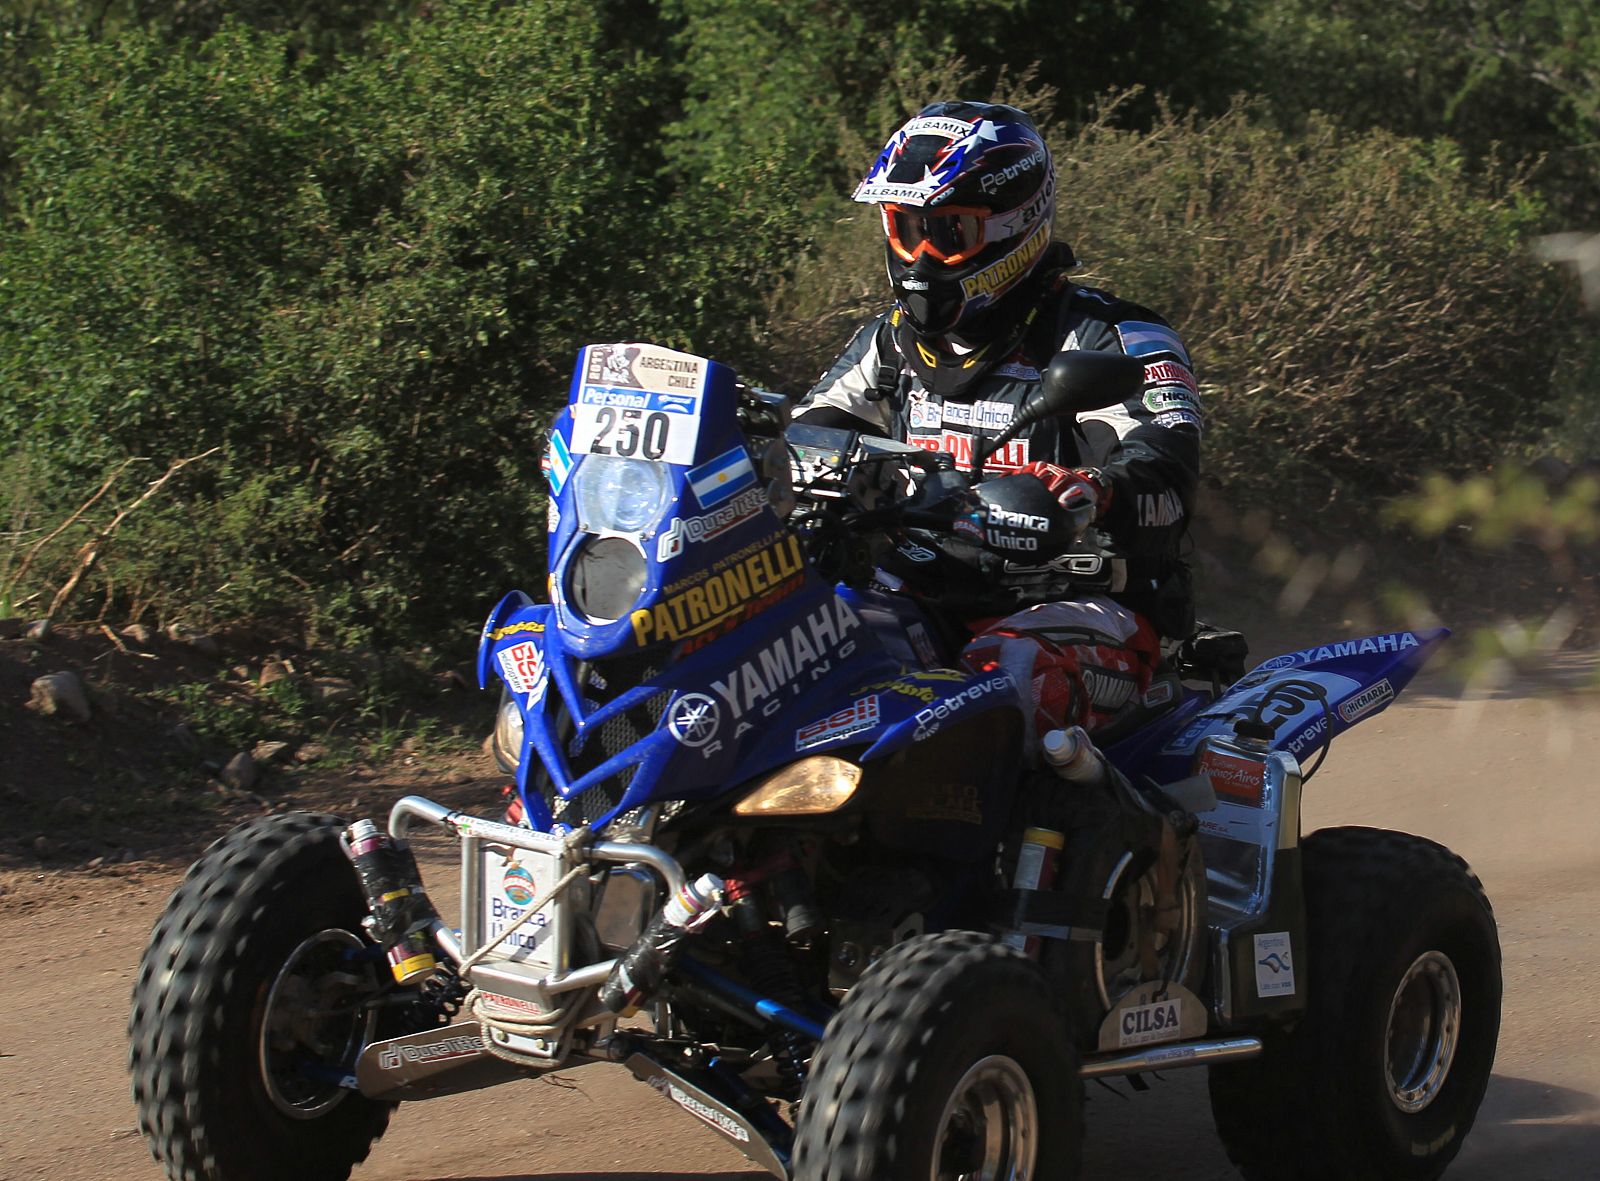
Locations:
(367, 286)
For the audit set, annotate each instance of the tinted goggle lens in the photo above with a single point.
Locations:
(949, 235)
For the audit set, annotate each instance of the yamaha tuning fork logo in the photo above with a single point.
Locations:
(694, 719)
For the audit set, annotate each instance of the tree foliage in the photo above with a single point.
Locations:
(356, 247)
(367, 286)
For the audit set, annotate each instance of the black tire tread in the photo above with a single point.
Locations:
(1277, 1115)
(186, 979)
(876, 1045)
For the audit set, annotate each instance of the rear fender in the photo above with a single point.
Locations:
(1307, 697)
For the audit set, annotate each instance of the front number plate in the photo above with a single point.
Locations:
(512, 880)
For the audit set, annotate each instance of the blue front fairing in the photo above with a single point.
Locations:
(734, 658)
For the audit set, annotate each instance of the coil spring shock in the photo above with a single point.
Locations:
(771, 972)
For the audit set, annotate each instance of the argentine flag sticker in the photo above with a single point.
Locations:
(717, 479)
(558, 462)
(1142, 339)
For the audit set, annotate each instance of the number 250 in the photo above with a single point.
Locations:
(630, 441)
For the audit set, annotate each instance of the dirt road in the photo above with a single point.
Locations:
(1509, 783)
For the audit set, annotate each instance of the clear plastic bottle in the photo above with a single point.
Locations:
(640, 970)
(1072, 755)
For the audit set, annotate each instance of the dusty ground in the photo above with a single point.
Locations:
(1505, 778)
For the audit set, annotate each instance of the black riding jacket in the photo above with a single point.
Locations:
(1148, 447)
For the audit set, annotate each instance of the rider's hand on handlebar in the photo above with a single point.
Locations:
(1076, 489)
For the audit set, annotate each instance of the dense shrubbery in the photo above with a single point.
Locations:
(366, 288)
(363, 278)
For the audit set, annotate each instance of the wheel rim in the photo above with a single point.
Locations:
(1423, 1032)
(1131, 904)
(989, 1130)
(311, 1029)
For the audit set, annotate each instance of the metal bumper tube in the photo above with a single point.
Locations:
(664, 865)
(622, 852)
(1174, 1057)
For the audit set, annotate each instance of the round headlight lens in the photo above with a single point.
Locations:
(508, 733)
(618, 495)
(606, 578)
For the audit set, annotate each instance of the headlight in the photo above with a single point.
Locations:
(618, 495)
(819, 784)
(508, 733)
(606, 578)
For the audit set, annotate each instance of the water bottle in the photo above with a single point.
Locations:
(1071, 755)
(641, 969)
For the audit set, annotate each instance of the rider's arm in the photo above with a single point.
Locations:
(841, 396)
(1148, 448)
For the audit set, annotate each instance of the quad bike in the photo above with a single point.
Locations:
(778, 854)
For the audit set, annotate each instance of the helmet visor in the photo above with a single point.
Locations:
(948, 235)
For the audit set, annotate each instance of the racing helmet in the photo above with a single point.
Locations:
(967, 193)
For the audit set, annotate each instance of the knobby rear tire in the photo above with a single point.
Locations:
(1321, 1103)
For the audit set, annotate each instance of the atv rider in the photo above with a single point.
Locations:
(982, 303)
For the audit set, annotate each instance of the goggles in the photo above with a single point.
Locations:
(950, 235)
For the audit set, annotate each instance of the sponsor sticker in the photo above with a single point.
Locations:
(1370, 645)
(876, 191)
(1007, 519)
(721, 1121)
(1158, 373)
(1019, 372)
(530, 626)
(1157, 511)
(990, 281)
(925, 415)
(931, 718)
(988, 416)
(504, 880)
(1158, 1021)
(462, 1045)
(937, 125)
(517, 885)
(1172, 418)
(516, 1004)
(854, 718)
(1274, 964)
(1020, 220)
(1010, 458)
(772, 567)
(809, 647)
(1158, 694)
(1161, 398)
(1307, 738)
(1372, 698)
(990, 182)
(1240, 780)
(522, 665)
(687, 530)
